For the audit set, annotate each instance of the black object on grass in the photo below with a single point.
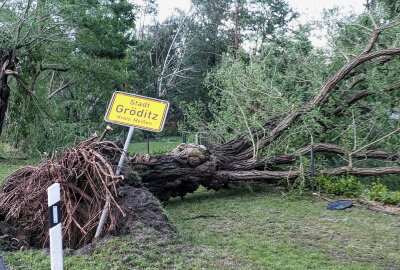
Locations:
(339, 205)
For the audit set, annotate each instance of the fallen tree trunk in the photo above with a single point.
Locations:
(189, 166)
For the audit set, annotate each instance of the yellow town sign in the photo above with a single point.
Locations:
(137, 111)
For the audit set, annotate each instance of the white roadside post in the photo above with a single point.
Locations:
(56, 248)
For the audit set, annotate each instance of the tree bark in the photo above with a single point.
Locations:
(190, 166)
(7, 65)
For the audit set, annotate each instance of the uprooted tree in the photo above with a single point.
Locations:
(87, 177)
(187, 167)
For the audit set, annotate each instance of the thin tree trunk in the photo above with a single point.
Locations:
(7, 59)
(237, 29)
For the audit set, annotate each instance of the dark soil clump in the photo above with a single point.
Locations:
(143, 210)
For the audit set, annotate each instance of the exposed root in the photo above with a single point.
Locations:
(86, 175)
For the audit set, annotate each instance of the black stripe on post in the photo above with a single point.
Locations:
(54, 214)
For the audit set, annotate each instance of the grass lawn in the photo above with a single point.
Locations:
(156, 146)
(7, 166)
(248, 228)
(262, 229)
(251, 227)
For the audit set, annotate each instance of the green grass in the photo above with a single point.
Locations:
(251, 227)
(118, 253)
(156, 146)
(257, 228)
(7, 166)
(265, 230)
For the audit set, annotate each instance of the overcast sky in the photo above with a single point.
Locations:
(307, 8)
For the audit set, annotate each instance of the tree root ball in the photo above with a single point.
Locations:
(143, 215)
(86, 175)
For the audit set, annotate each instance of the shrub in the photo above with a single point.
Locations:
(352, 187)
(379, 192)
(393, 198)
(348, 185)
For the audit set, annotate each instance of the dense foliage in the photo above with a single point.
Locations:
(226, 66)
(361, 113)
(71, 57)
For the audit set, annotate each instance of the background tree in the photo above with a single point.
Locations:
(71, 58)
(176, 55)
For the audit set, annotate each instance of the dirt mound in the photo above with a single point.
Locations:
(144, 219)
(142, 210)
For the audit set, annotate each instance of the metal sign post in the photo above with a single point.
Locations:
(56, 248)
(133, 111)
(106, 208)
